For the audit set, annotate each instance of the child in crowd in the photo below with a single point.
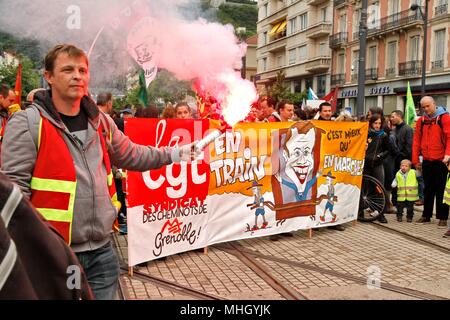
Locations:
(407, 190)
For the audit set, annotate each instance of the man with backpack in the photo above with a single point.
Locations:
(59, 152)
(432, 141)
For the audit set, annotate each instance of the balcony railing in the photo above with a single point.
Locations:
(318, 64)
(395, 20)
(315, 2)
(390, 72)
(319, 30)
(371, 74)
(410, 68)
(441, 9)
(337, 79)
(438, 64)
(337, 39)
(339, 2)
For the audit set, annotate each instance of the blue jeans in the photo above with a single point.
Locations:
(102, 270)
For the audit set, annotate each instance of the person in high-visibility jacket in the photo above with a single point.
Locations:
(59, 152)
(407, 190)
(447, 196)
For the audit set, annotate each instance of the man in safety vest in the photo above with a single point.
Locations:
(407, 190)
(59, 152)
(447, 196)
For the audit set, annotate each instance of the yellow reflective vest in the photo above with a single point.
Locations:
(447, 190)
(407, 190)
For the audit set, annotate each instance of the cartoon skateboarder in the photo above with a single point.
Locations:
(258, 204)
(331, 198)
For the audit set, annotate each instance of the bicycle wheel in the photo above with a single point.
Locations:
(372, 200)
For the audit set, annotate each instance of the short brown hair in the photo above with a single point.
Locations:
(4, 90)
(69, 49)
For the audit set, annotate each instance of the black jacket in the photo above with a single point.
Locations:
(378, 148)
(404, 135)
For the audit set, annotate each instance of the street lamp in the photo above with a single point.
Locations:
(424, 15)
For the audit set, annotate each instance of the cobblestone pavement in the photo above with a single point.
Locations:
(358, 253)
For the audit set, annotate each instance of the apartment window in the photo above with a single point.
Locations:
(264, 64)
(292, 56)
(341, 63)
(265, 10)
(414, 48)
(391, 57)
(343, 23)
(394, 7)
(323, 49)
(302, 53)
(308, 83)
(321, 85)
(372, 63)
(323, 14)
(356, 19)
(440, 45)
(264, 38)
(355, 62)
(280, 61)
(304, 21)
(293, 25)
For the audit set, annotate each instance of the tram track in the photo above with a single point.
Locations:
(360, 280)
(249, 258)
(413, 238)
(156, 281)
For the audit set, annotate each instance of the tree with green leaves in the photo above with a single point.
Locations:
(279, 89)
(30, 77)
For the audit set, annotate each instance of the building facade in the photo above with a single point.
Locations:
(250, 58)
(293, 38)
(393, 53)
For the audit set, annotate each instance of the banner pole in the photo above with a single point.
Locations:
(310, 233)
(130, 271)
(205, 250)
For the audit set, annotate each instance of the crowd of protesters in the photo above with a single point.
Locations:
(49, 187)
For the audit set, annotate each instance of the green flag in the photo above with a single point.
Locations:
(143, 97)
(410, 110)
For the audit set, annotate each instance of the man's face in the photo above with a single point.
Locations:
(109, 107)
(301, 157)
(70, 77)
(127, 115)
(266, 109)
(287, 112)
(428, 106)
(326, 112)
(183, 113)
(9, 100)
(395, 119)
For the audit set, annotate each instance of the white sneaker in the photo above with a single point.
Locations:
(375, 213)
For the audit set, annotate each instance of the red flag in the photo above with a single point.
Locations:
(18, 88)
(332, 98)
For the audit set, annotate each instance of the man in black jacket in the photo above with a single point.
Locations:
(404, 140)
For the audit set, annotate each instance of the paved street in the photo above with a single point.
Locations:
(412, 259)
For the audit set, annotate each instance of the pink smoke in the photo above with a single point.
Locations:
(200, 50)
